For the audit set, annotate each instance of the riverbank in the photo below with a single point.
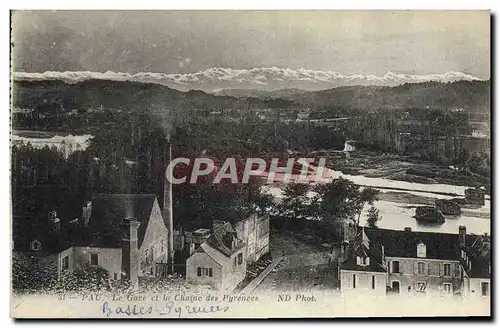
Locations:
(402, 168)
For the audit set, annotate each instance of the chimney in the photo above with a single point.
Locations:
(131, 258)
(192, 248)
(407, 229)
(347, 231)
(86, 211)
(462, 232)
(167, 209)
(216, 224)
(54, 222)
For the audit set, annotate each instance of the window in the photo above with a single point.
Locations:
(207, 272)
(65, 263)
(240, 258)
(36, 245)
(235, 261)
(447, 288)
(115, 276)
(395, 266)
(485, 289)
(447, 269)
(421, 250)
(162, 246)
(373, 282)
(94, 259)
(353, 281)
(421, 286)
(421, 268)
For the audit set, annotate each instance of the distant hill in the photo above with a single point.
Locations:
(262, 94)
(472, 96)
(123, 95)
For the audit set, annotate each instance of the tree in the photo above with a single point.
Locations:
(295, 203)
(88, 278)
(373, 217)
(367, 195)
(341, 200)
(31, 276)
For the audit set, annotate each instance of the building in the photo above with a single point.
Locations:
(61, 247)
(475, 259)
(219, 261)
(413, 263)
(362, 267)
(254, 231)
(134, 223)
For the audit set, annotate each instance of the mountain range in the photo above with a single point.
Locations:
(217, 80)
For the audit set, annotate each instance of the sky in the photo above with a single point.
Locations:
(348, 42)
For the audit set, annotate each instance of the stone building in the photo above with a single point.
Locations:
(413, 263)
(219, 261)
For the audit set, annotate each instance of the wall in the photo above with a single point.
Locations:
(254, 231)
(71, 261)
(156, 232)
(109, 259)
(203, 260)
(475, 287)
(363, 282)
(234, 273)
(262, 246)
(433, 275)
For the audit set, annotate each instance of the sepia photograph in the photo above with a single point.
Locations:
(180, 164)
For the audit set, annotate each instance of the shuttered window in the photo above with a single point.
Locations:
(199, 271)
(421, 268)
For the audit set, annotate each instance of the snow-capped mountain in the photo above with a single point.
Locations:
(273, 78)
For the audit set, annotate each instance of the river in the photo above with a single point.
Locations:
(397, 215)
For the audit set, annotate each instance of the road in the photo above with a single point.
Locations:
(303, 268)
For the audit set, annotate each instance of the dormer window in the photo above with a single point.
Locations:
(362, 261)
(421, 250)
(35, 245)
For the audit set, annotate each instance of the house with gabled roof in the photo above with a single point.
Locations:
(122, 233)
(219, 261)
(415, 263)
(146, 238)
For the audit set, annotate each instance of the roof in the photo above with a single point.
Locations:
(480, 253)
(213, 253)
(218, 239)
(399, 243)
(109, 210)
(361, 250)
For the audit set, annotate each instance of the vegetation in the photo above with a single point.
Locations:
(34, 276)
(373, 217)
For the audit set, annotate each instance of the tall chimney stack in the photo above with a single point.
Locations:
(130, 252)
(167, 210)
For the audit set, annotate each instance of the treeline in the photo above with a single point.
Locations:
(473, 96)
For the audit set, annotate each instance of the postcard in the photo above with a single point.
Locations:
(250, 164)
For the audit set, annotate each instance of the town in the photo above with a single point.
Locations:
(209, 162)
